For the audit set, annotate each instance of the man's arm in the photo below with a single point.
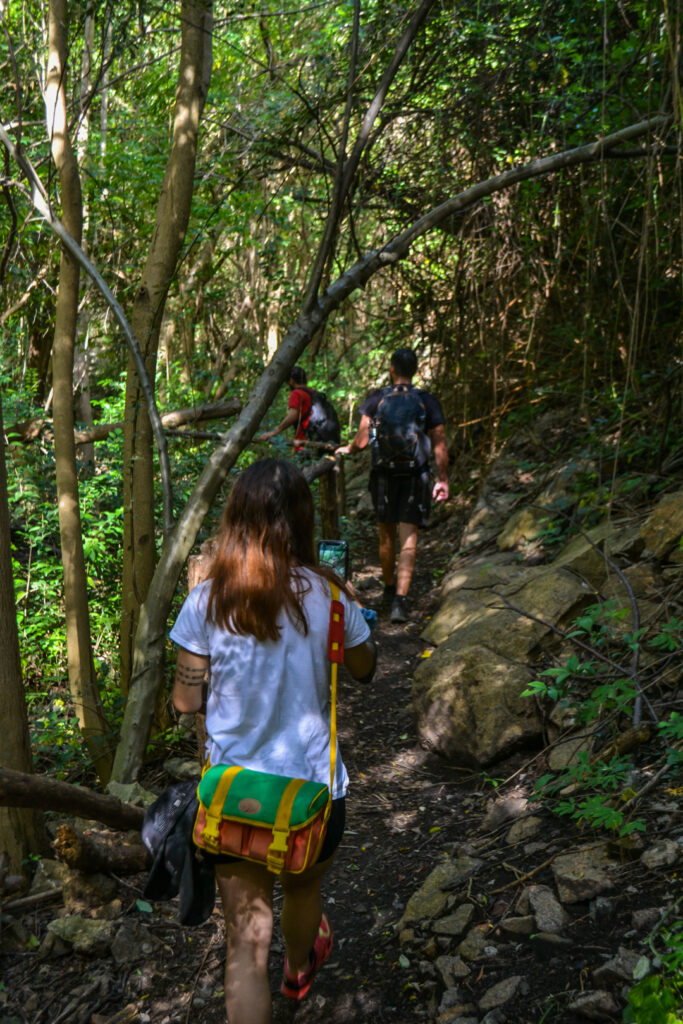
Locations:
(290, 420)
(437, 435)
(361, 439)
(191, 675)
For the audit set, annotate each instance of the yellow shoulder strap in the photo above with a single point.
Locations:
(333, 712)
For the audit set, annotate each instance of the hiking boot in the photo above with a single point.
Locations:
(399, 609)
(297, 985)
(388, 595)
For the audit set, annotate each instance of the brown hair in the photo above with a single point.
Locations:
(266, 533)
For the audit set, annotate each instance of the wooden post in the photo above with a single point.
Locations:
(329, 520)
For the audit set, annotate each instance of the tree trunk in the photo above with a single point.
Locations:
(21, 830)
(173, 211)
(82, 681)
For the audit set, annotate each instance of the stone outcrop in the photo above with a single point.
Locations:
(503, 611)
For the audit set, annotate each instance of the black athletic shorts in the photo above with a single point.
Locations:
(401, 499)
(333, 837)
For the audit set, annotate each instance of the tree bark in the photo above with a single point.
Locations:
(20, 789)
(21, 831)
(173, 211)
(99, 853)
(82, 681)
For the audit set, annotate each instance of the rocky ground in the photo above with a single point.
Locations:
(453, 899)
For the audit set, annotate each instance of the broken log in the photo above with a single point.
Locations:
(29, 430)
(99, 854)
(19, 789)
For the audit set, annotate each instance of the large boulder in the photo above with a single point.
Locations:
(663, 528)
(467, 696)
(468, 705)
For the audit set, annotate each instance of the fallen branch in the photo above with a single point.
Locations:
(18, 789)
(29, 430)
(319, 468)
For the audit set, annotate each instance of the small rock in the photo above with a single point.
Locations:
(182, 768)
(662, 854)
(500, 993)
(472, 946)
(91, 938)
(445, 966)
(519, 925)
(455, 924)
(505, 808)
(595, 1006)
(617, 970)
(549, 913)
(431, 898)
(646, 918)
(132, 793)
(450, 1000)
(582, 874)
(522, 830)
(497, 1016)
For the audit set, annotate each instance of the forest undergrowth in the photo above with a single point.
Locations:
(408, 809)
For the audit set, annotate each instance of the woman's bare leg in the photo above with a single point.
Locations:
(247, 895)
(301, 913)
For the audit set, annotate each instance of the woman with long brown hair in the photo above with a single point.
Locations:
(259, 627)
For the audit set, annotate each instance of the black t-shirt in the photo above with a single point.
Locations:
(434, 416)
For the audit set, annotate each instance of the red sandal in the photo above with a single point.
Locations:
(296, 986)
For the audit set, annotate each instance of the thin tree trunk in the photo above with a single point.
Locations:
(21, 829)
(82, 681)
(173, 211)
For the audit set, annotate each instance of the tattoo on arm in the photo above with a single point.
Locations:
(187, 676)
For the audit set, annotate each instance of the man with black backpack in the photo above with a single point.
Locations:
(309, 411)
(403, 425)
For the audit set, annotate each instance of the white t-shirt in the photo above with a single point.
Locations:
(268, 705)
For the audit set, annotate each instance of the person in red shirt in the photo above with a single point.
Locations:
(298, 408)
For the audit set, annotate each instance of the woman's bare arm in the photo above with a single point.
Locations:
(191, 675)
(361, 660)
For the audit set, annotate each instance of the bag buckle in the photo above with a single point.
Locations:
(335, 638)
(210, 835)
(277, 850)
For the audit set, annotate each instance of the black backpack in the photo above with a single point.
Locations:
(323, 422)
(398, 436)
